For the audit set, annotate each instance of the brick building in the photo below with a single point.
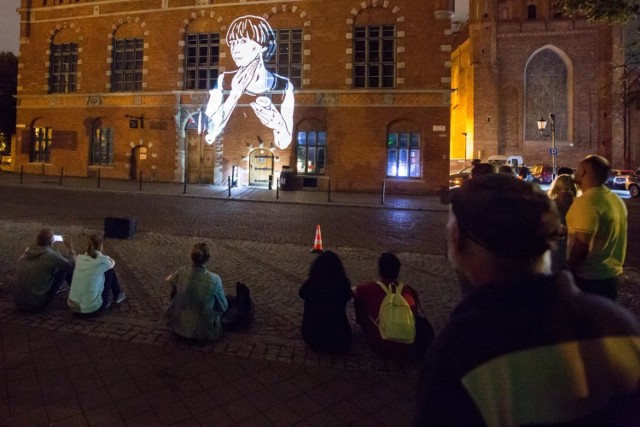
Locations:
(517, 60)
(121, 88)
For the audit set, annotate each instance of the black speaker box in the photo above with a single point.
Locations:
(120, 228)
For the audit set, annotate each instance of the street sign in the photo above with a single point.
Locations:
(553, 151)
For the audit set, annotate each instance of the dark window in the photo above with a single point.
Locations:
(374, 56)
(102, 147)
(41, 145)
(312, 152)
(287, 59)
(403, 155)
(63, 71)
(202, 60)
(531, 12)
(126, 71)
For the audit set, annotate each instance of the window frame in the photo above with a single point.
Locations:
(374, 56)
(63, 67)
(41, 139)
(319, 149)
(411, 152)
(195, 64)
(102, 137)
(289, 68)
(127, 65)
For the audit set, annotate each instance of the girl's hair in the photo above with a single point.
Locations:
(95, 244)
(561, 184)
(200, 253)
(254, 28)
(327, 268)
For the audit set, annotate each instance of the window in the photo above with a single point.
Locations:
(287, 59)
(63, 71)
(202, 60)
(312, 152)
(102, 147)
(403, 155)
(374, 56)
(531, 12)
(41, 145)
(126, 74)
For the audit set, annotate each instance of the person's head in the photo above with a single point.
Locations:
(565, 171)
(562, 185)
(327, 267)
(249, 37)
(95, 244)
(482, 169)
(507, 170)
(200, 254)
(389, 266)
(499, 227)
(592, 171)
(475, 162)
(44, 237)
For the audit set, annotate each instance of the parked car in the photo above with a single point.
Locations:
(542, 174)
(632, 184)
(456, 179)
(617, 178)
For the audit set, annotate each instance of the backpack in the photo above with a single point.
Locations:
(395, 317)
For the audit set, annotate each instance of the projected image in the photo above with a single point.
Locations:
(252, 42)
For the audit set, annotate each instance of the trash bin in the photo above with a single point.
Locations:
(287, 179)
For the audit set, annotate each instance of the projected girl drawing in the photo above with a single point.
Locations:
(252, 42)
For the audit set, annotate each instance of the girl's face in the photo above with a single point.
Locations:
(245, 50)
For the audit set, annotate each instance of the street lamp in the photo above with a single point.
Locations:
(542, 125)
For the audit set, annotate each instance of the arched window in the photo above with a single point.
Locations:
(546, 91)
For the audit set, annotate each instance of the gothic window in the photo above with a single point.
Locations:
(63, 71)
(374, 62)
(546, 91)
(202, 60)
(126, 71)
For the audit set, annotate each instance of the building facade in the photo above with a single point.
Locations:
(355, 92)
(516, 61)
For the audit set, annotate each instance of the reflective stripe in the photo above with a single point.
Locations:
(556, 383)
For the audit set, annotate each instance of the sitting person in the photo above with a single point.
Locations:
(367, 299)
(94, 280)
(198, 300)
(325, 327)
(41, 272)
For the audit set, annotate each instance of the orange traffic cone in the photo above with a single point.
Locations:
(317, 243)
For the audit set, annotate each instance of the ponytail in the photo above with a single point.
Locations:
(95, 244)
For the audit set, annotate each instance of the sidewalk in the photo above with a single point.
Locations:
(126, 368)
(261, 194)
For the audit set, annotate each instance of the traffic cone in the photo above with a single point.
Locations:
(317, 243)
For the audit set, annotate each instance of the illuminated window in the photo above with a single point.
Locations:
(287, 59)
(312, 152)
(403, 155)
(63, 71)
(41, 145)
(126, 72)
(102, 147)
(374, 56)
(202, 60)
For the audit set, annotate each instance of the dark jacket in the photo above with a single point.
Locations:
(533, 352)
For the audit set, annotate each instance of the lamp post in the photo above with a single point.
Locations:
(542, 125)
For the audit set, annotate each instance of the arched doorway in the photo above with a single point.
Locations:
(260, 166)
(200, 158)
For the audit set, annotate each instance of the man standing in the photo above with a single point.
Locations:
(524, 347)
(41, 272)
(597, 230)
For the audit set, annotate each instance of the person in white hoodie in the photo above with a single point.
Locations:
(94, 280)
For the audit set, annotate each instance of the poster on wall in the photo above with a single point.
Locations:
(252, 42)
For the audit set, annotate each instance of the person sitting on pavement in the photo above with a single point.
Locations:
(524, 347)
(94, 280)
(325, 327)
(198, 300)
(42, 271)
(367, 298)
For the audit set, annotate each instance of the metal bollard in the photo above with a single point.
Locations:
(384, 184)
(21, 173)
(229, 185)
(61, 175)
(98, 178)
(270, 182)
(184, 188)
(140, 182)
(329, 191)
(278, 189)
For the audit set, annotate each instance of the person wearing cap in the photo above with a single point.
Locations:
(42, 271)
(597, 231)
(524, 347)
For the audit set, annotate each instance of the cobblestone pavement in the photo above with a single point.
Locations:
(126, 368)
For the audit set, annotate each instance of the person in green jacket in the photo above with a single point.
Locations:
(41, 272)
